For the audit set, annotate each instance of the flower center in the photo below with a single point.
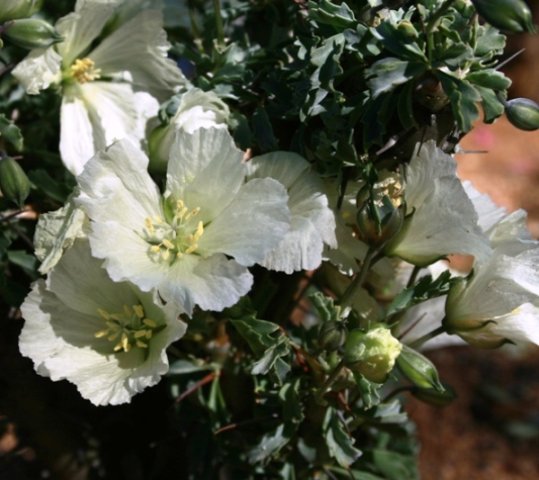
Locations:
(390, 186)
(83, 70)
(129, 328)
(176, 236)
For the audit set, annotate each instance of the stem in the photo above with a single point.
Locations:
(358, 281)
(413, 276)
(396, 392)
(332, 377)
(219, 22)
(421, 340)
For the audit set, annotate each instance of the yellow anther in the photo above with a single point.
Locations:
(114, 336)
(191, 249)
(179, 204)
(140, 344)
(139, 311)
(157, 219)
(168, 244)
(125, 343)
(199, 231)
(83, 70)
(101, 333)
(155, 249)
(149, 322)
(103, 313)
(149, 225)
(165, 255)
(192, 213)
(179, 255)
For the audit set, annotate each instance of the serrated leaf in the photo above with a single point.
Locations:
(339, 442)
(492, 106)
(270, 444)
(270, 356)
(325, 12)
(11, 133)
(464, 99)
(325, 306)
(257, 333)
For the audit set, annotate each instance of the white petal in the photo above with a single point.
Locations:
(38, 70)
(312, 222)
(77, 143)
(213, 283)
(443, 220)
(489, 214)
(81, 27)
(252, 224)
(137, 52)
(205, 170)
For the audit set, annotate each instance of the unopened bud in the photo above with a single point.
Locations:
(435, 397)
(419, 369)
(32, 33)
(331, 336)
(523, 113)
(511, 15)
(159, 144)
(12, 9)
(372, 353)
(379, 223)
(14, 183)
(407, 29)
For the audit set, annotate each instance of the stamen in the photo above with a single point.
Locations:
(83, 70)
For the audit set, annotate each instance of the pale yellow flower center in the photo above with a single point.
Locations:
(174, 237)
(128, 328)
(392, 187)
(83, 70)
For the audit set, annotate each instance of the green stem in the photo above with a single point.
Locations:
(413, 276)
(332, 377)
(358, 281)
(421, 340)
(219, 22)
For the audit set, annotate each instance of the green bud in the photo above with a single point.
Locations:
(379, 222)
(12, 9)
(523, 113)
(435, 397)
(14, 183)
(511, 15)
(419, 369)
(372, 353)
(331, 336)
(32, 33)
(407, 29)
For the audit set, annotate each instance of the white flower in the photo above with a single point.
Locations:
(312, 221)
(108, 91)
(196, 109)
(107, 338)
(441, 220)
(499, 302)
(179, 243)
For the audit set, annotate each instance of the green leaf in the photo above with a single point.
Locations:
(386, 74)
(395, 466)
(425, 289)
(184, 367)
(489, 78)
(405, 107)
(270, 356)
(269, 445)
(24, 260)
(325, 306)
(257, 333)
(325, 12)
(492, 106)
(11, 133)
(263, 131)
(339, 442)
(464, 99)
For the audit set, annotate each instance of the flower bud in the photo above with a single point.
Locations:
(12, 9)
(14, 183)
(331, 336)
(435, 397)
(523, 113)
(510, 15)
(379, 222)
(419, 369)
(158, 161)
(407, 29)
(372, 353)
(32, 33)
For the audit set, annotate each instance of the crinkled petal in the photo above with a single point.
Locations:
(38, 70)
(312, 222)
(213, 283)
(253, 223)
(489, 214)
(137, 52)
(205, 170)
(443, 221)
(82, 26)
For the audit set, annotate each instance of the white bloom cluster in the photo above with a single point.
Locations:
(125, 258)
